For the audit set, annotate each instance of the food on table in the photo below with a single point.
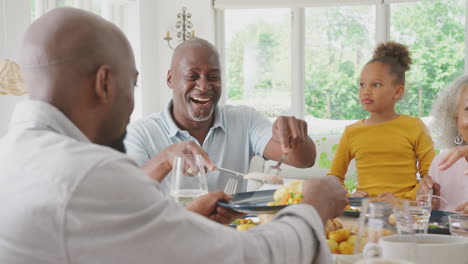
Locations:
(437, 225)
(333, 245)
(343, 240)
(244, 227)
(340, 240)
(333, 225)
(339, 235)
(264, 177)
(392, 219)
(288, 195)
(350, 208)
(244, 223)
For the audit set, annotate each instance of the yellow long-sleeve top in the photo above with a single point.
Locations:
(388, 155)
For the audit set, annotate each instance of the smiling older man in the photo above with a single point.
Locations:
(227, 136)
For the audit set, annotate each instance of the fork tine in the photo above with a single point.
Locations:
(231, 186)
(228, 186)
(234, 185)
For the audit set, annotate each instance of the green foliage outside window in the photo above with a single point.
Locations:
(433, 30)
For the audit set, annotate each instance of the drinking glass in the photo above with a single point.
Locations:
(374, 223)
(412, 216)
(188, 180)
(458, 224)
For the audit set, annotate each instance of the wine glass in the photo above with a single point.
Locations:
(188, 180)
(375, 221)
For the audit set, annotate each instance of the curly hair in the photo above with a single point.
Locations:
(395, 55)
(444, 113)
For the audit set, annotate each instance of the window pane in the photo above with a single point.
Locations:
(96, 6)
(65, 3)
(258, 62)
(435, 33)
(339, 41)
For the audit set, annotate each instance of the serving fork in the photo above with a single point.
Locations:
(231, 186)
(276, 169)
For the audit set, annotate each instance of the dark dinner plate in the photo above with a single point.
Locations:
(440, 217)
(252, 202)
(351, 213)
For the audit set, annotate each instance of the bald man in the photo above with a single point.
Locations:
(70, 196)
(227, 136)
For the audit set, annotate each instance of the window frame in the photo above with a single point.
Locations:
(382, 34)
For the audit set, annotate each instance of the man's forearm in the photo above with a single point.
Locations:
(156, 168)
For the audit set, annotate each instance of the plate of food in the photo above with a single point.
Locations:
(245, 222)
(352, 211)
(252, 202)
(438, 222)
(265, 202)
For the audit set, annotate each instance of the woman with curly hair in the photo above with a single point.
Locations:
(389, 148)
(448, 172)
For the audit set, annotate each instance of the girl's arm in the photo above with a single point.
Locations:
(424, 150)
(341, 160)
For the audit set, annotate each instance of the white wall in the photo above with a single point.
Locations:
(145, 23)
(18, 16)
(157, 17)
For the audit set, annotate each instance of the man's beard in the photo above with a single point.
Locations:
(118, 144)
(201, 116)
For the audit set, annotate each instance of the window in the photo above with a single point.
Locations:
(338, 42)
(258, 59)
(437, 44)
(334, 39)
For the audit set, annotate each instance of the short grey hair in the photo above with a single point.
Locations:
(444, 113)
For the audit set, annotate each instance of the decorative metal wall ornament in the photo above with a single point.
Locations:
(184, 28)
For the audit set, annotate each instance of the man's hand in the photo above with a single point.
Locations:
(289, 136)
(206, 205)
(161, 164)
(289, 132)
(452, 156)
(387, 197)
(425, 185)
(327, 195)
(463, 208)
(359, 194)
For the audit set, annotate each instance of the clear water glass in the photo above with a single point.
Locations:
(458, 224)
(188, 179)
(412, 217)
(374, 223)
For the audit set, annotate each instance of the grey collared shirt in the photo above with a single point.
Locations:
(65, 200)
(238, 133)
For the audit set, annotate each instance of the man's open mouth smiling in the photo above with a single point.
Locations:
(200, 100)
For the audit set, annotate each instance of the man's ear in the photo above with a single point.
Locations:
(169, 78)
(102, 85)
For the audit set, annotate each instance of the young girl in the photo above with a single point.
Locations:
(389, 148)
